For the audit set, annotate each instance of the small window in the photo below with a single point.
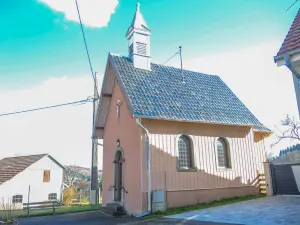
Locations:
(17, 199)
(52, 196)
(223, 153)
(46, 177)
(185, 159)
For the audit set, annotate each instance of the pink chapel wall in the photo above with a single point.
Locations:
(208, 182)
(126, 130)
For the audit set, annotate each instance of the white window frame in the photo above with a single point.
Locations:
(18, 198)
(50, 194)
(227, 153)
(192, 153)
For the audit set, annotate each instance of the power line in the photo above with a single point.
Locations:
(76, 103)
(80, 102)
(86, 47)
(292, 5)
(170, 58)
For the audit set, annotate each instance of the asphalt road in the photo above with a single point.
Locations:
(83, 218)
(97, 218)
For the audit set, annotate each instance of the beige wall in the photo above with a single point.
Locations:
(129, 134)
(197, 196)
(247, 156)
(193, 197)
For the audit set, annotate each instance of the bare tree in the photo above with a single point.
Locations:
(70, 173)
(270, 157)
(291, 131)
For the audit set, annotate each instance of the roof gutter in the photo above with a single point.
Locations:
(278, 57)
(149, 164)
(289, 65)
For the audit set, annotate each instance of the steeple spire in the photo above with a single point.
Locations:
(138, 35)
(138, 21)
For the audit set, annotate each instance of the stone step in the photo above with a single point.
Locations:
(114, 209)
(115, 206)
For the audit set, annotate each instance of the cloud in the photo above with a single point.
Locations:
(63, 132)
(267, 90)
(94, 13)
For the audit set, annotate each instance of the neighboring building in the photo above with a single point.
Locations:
(204, 143)
(290, 155)
(289, 55)
(42, 173)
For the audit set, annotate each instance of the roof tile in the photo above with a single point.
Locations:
(160, 94)
(10, 167)
(292, 39)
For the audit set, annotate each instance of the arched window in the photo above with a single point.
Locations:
(17, 199)
(223, 153)
(185, 156)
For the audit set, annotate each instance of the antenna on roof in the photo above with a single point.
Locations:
(180, 53)
(292, 5)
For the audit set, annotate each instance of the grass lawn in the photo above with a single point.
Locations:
(59, 210)
(202, 206)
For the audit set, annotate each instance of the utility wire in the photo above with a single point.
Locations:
(170, 58)
(291, 5)
(86, 47)
(80, 102)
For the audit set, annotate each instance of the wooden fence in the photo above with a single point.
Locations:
(262, 182)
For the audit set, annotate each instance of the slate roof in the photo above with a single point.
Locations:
(10, 167)
(160, 94)
(292, 40)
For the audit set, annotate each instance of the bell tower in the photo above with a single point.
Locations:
(138, 35)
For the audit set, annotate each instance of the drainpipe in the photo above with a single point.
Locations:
(149, 165)
(296, 78)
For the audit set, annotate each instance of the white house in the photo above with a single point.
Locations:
(35, 177)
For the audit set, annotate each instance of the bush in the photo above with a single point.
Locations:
(7, 211)
(68, 195)
(85, 200)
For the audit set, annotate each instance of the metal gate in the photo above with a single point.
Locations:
(284, 179)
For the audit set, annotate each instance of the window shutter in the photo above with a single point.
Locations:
(46, 176)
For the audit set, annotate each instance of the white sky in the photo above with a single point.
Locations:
(65, 132)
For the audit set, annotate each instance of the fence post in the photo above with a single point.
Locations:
(268, 178)
(53, 208)
(79, 196)
(273, 182)
(28, 201)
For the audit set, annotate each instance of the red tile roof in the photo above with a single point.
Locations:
(10, 167)
(292, 39)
